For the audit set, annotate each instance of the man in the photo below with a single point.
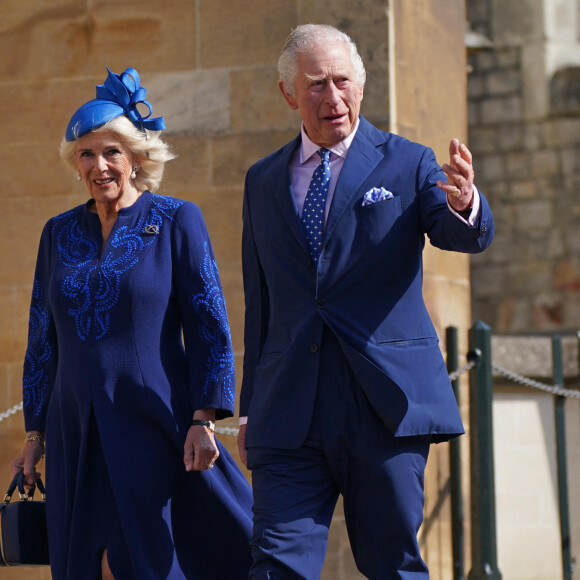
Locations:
(344, 384)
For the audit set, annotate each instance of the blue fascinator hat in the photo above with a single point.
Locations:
(119, 95)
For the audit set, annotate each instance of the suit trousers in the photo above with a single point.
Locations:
(349, 452)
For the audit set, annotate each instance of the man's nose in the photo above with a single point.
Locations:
(332, 95)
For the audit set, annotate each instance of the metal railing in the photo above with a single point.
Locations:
(483, 518)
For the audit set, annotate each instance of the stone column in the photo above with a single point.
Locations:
(429, 93)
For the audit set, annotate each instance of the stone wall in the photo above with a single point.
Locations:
(210, 69)
(428, 106)
(524, 132)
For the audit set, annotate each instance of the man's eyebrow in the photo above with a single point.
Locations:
(320, 77)
(324, 77)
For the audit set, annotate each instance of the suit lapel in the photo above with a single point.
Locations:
(363, 156)
(281, 187)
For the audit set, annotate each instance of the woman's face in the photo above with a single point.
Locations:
(105, 165)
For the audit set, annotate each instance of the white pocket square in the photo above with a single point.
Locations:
(375, 195)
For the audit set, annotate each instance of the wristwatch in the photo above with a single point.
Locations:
(209, 424)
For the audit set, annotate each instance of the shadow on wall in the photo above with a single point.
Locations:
(565, 91)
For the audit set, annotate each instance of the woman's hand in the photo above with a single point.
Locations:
(30, 454)
(200, 450)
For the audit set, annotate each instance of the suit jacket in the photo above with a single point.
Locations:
(366, 288)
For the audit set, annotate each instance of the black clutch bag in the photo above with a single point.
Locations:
(23, 537)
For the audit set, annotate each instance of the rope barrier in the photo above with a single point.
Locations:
(473, 358)
(454, 375)
(18, 407)
(11, 411)
(227, 430)
(553, 389)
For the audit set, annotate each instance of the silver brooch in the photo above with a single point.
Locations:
(151, 229)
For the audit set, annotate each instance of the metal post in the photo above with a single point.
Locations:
(457, 532)
(560, 417)
(483, 531)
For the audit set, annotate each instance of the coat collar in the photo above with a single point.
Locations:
(363, 157)
(282, 190)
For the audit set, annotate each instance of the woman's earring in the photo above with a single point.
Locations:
(79, 177)
(135, 169)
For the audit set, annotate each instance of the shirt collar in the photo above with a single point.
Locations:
(308, 148)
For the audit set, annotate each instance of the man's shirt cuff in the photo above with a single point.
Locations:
(475, 210)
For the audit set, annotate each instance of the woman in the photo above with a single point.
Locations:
(129, 363)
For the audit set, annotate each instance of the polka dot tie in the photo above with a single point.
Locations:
(314, 204)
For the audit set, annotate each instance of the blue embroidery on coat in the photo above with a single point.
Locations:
(214, 329)
(93, 286)
(39, 353)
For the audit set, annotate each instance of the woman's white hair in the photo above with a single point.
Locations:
(149, 151)
(307, 37)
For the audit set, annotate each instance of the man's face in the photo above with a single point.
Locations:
(326, 95)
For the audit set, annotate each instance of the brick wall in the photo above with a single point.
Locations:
(527, 158)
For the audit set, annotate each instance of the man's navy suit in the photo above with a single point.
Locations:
(363, 301)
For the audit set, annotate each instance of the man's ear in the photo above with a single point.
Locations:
(287, 97)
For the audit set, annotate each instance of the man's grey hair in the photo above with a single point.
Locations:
(307, 37)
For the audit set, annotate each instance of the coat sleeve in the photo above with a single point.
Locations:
(256, 303)
(41, 356)
(444, 229)
(206, 331)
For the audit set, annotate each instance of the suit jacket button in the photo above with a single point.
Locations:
(313, 348)
(320, 304)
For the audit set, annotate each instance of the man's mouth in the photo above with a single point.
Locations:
(335, 117)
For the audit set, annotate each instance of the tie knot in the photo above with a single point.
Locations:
(324, 154)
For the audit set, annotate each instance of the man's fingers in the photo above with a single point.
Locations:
(460, 159)
(453, 147)
(242, 445)
(458, 164)
(449, 188)
(458, 148)
(465, 154)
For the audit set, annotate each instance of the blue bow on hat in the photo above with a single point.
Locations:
(119, 95)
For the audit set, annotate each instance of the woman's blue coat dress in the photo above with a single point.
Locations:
(125, 342)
